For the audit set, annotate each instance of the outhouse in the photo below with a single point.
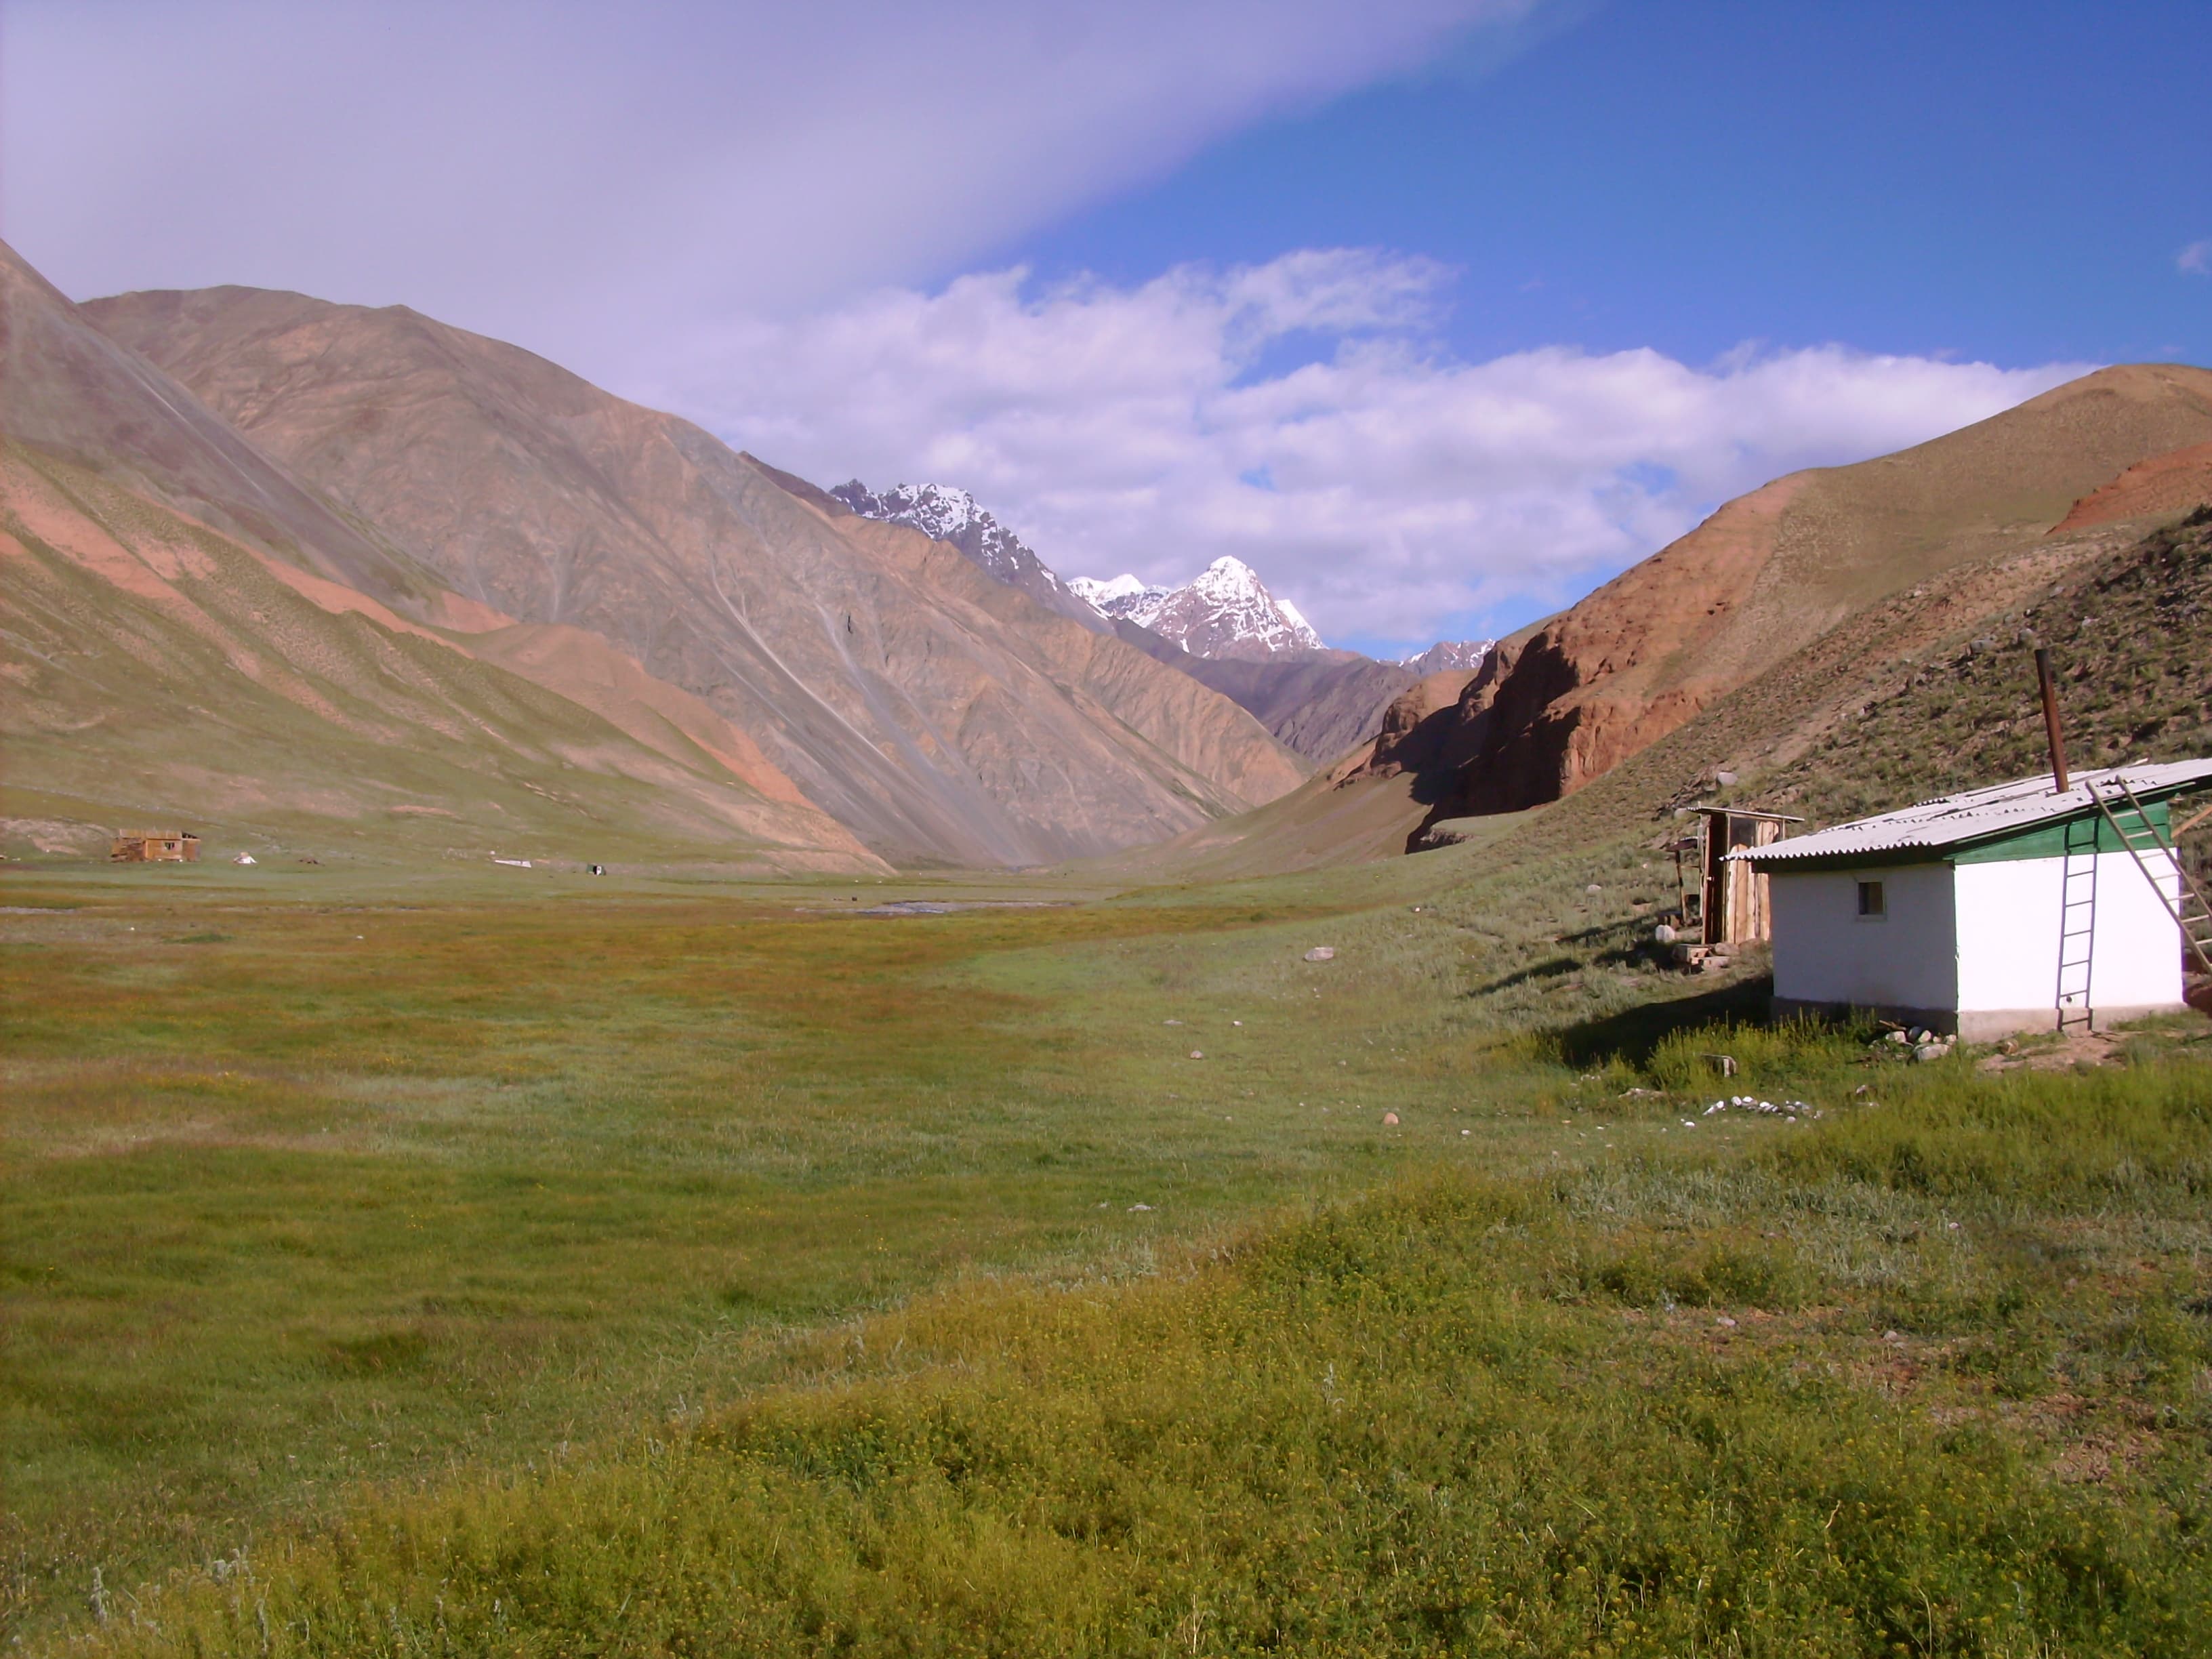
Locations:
(2008, 908)
(1723, 900)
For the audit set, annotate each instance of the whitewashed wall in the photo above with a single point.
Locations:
(1825, 951)
(2009, 919)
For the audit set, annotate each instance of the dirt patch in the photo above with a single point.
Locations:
(2064, 1054)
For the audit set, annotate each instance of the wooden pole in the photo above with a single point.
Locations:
(2050, 718)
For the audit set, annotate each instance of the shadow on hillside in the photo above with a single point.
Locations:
(1633, 1033)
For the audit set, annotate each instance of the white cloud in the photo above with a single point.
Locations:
(2196, 259)
(593, 180)
(1393, 492)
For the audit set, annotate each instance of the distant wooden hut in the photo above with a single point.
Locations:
(155, 846)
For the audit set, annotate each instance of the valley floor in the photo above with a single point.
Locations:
(593, 1266)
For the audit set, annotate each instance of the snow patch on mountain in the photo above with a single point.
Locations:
(1120, 596)
(946, 512)
(1448, 654)
(1226, 611)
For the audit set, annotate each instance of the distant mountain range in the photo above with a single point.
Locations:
(294, 573)
(306, 575)
(1223, 628)
(1449, 654)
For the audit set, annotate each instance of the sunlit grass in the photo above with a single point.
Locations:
(302, 1194)
(1647, 1408)
(558, 1273)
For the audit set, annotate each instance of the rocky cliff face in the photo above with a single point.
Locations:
(1565, 702)
(938, 713)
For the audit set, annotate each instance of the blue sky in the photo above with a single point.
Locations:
(2014, 182)
(1436, 311)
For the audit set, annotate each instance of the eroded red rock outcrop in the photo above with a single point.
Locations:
(1566, 701)
(2170, 484)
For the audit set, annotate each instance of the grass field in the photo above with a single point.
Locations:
(577, 1267)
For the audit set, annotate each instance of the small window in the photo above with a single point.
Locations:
(1872, 905)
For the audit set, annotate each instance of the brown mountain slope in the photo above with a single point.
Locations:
(1933, 688)
(1567, 701)
(76, 395)
(194, 632)
(893, 683)
(159, 670)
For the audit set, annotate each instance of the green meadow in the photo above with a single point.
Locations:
(441, 1265)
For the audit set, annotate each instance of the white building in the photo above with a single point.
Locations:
(2009, 908)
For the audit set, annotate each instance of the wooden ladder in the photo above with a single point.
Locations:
(2077, 923)
(2186, 905)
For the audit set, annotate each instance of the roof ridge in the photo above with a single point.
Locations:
(1954, 820)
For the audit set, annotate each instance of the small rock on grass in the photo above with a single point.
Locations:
(1322, 953)
(1197, 1054)
(1390, 1119)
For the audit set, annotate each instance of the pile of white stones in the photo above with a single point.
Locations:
(1792, 1109)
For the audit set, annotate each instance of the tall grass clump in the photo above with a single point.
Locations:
(2063, 1143)
(1738, 1055)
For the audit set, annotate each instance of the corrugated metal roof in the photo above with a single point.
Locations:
(2001, 808)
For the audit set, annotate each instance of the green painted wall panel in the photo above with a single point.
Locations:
(2051, 841)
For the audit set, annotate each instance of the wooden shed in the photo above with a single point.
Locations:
(155, 846)
(1726, 901)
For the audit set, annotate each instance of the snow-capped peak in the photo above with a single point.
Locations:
(1122, 596)
(1124, 587)
(1448, 654)
(1225, 612)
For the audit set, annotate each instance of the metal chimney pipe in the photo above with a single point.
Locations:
(2051, 729)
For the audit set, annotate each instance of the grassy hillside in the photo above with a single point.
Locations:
(2127, 636)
